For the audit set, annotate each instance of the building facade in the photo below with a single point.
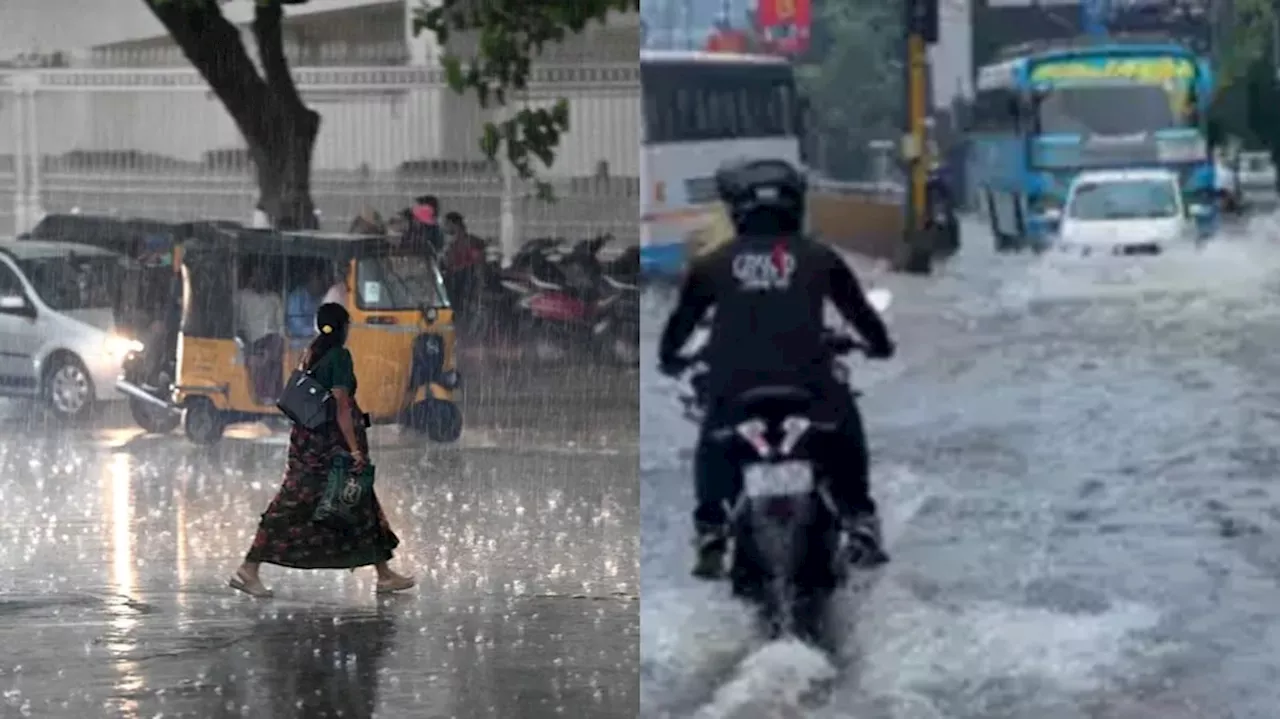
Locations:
(130, 127)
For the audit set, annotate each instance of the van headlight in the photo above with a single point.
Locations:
(117, 347)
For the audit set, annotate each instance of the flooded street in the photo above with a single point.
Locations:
(1076, 463)
(115, 550)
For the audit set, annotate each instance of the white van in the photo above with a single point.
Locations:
(1126, 212)
(58, 339)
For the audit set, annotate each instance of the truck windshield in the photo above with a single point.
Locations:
(74, 283)
(1115, 109)
(401, 282)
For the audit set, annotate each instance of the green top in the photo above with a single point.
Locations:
(335, 369)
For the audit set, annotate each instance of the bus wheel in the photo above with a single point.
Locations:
(202, 422)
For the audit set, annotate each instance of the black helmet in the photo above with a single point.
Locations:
(746, 186)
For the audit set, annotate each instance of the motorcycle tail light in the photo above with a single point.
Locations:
(793, 429)
(753, 432)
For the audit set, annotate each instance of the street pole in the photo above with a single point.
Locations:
(917, 114)
(921, 29)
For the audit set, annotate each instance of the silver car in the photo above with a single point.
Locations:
(58, 339)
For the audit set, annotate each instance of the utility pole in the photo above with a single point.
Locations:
(920, 23)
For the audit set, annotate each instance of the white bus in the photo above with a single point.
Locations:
(701, 109)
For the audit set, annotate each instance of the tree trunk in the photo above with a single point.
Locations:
(282, 158)
(283, 147)
(278, 127)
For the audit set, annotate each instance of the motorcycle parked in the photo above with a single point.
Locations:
(618, 310)
(562, 298)
(788, 554)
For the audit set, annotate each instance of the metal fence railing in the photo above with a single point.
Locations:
(156, 143)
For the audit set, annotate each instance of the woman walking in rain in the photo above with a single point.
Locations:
(287, 536)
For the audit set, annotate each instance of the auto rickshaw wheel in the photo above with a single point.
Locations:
(440, 420)
(153, 419)
(202, 422)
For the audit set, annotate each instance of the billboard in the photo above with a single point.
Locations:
(785, 26)
(1002, 23)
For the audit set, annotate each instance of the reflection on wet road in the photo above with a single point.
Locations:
(114, 552)
(1077, 465)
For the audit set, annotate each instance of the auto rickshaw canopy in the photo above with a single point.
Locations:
(212, 239)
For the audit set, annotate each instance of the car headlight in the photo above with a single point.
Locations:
(118, 347)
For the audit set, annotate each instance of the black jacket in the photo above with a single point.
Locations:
(769, 295)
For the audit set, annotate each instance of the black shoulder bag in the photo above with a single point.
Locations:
(305, 401)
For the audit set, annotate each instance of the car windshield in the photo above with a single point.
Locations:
(76, 283)
(399, 282)
(1118, 109)
(1124, 200)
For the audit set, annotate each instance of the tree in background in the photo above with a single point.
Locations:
(1246, 104)
(281, 131)
(854, 82)
(1245, 114)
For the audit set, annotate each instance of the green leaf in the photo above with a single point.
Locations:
(509, 36)
(453, 72)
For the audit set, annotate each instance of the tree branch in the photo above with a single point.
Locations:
(212, 45)
(510, 36)
(268, 34)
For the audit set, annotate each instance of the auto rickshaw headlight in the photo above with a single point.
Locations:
(118, 347)
(431, 314)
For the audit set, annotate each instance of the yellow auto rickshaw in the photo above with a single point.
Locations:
(401, 339)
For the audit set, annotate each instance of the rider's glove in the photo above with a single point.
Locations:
(670, 366)
(884, 351)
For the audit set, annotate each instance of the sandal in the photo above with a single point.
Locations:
(396, 584)
(251, 586)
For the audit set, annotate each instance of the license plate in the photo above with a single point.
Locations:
(775, 480)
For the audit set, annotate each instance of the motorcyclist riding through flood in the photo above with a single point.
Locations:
(768, 288)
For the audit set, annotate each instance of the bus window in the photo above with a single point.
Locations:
(700, 101)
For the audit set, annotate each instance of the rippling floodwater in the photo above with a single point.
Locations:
(1075, 460)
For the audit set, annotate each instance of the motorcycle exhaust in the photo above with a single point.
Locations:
(137, 392)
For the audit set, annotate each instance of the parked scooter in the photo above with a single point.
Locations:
(562, 295)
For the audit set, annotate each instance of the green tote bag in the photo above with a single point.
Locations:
(344, 494)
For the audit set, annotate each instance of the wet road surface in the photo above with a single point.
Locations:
(1076, 462)
(115, 549)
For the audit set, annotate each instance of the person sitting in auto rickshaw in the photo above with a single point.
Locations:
(259, 320)
(337, 292)
(301, 305)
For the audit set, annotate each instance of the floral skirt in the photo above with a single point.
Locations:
(287, 536)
